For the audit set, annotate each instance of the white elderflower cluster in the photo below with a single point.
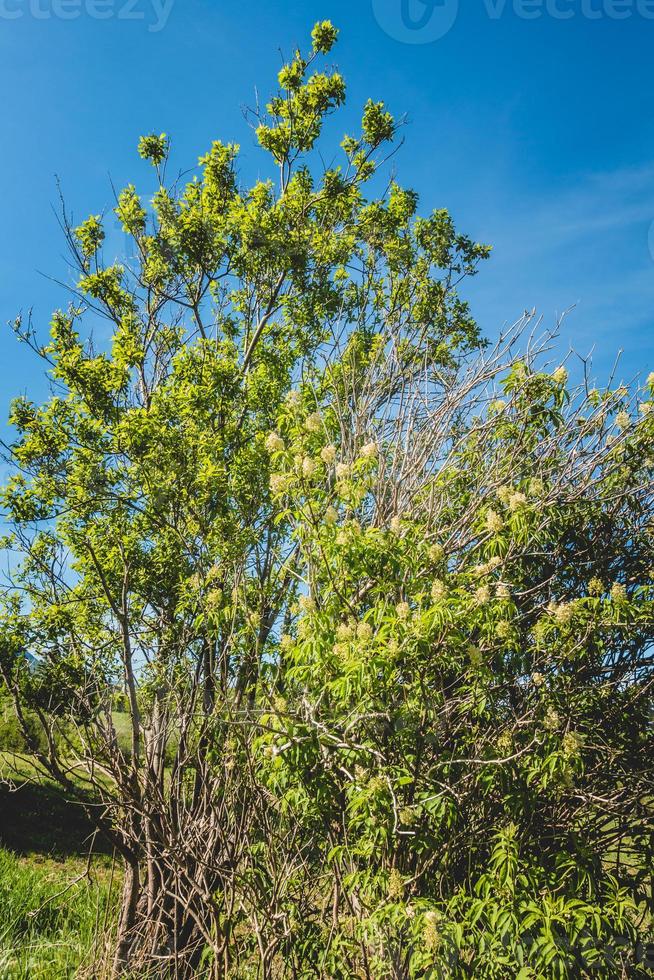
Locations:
(560, 376)
(438, 590)
(214, 599)
(307, 604)
(623, 420)
(293, 399)
(618, 592)
(562, 612)
(364, 632)
(344, 632)
(370, 451)
(342, 471)
(275, 443)
(517, 501)
(278, 483)
(331, 516)
(328, 455)
(572, 743)
(313, 422)
(395, 525)
(552, 720)
(537, 679)
(482, 595)
(494, 522)
(309, 467)
(436, 553)
(503, 591)
(403, 610)
(503, 494)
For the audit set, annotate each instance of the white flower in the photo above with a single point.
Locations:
(344, 632)
(619, 592)
(537, 679)
(275, 443)
(560, 376)
(342, 471)
(370, 451)
(517, 501)
(552, 720)
(438, 590)
(503, 591)
(364, 631)
(307, 604)
(395, 525)
(328, 454)
(278, 483)
(313, 423)
(436, 553)
(214, 599)
(309, 467)
(563, 613)
(493, 521)
(294, 399)
(482, 595)
(650, 380)
(645, 408)
(403, 610)
(572, 742)
(497, 406)
(623, 420)
(286, 641)
(331, 515)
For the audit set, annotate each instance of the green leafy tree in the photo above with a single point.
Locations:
(376, 599)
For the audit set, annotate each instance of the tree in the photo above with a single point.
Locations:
(384, 639)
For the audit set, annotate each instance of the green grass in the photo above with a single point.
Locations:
(51, 922)
(56, 905)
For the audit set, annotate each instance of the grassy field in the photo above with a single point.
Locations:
(57, 883)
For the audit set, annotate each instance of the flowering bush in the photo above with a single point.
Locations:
(378, 597)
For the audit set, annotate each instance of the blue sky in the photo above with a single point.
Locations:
(531, 120)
